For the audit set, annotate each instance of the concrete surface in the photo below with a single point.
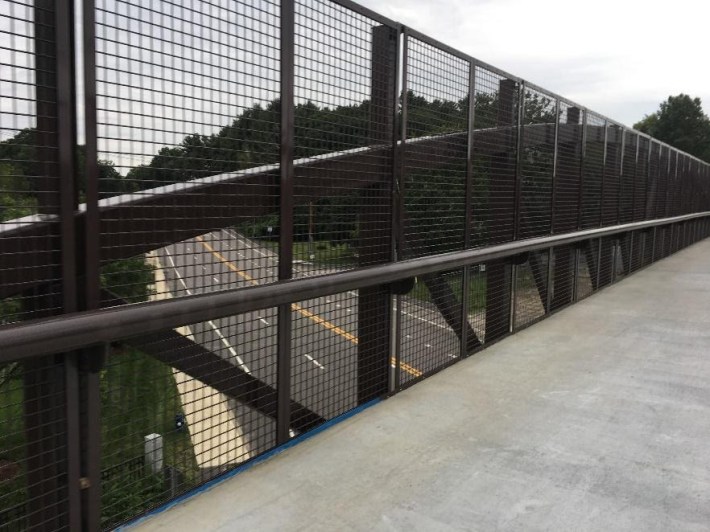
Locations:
(595, 419)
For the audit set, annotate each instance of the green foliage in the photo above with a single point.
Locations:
(476, 290)
(139, 397)
(120, 501)
(681, 122)
(16, 198)
(21, 173)
(130, 279)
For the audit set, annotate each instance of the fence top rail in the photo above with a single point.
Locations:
(79, 330)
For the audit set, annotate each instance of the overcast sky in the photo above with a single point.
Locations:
(617, 57)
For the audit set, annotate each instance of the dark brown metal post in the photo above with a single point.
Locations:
(66, 147)
(286, 187)
(50, 391)
(375, 224)
(468, 208)
(501, 206)
(567, 193)
(89, 260)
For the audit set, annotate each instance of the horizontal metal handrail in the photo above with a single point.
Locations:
(69, 332)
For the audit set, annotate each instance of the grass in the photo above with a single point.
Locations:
(476, 290)
(326, 253)
(138, 397)
(12, 441)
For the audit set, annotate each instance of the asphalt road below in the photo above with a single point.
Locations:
(324, 340)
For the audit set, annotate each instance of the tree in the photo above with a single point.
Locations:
(681, 122)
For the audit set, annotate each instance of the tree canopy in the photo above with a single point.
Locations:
(681, 122)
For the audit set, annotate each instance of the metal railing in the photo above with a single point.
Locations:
(273, 213)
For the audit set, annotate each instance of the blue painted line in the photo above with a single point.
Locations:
(240, 469)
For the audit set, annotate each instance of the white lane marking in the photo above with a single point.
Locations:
(243, 240)
(439, 325)
(309, 357)
(210, 323)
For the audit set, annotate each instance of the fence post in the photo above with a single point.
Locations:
(91, 360)
(565, 257)
(501, 218)
(286, 187)
(376, 224)
(468, 207)
(51, 383)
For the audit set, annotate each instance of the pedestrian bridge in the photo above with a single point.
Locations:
(225, 224)
(597, 418)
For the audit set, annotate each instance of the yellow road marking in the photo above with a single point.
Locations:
(302, 311)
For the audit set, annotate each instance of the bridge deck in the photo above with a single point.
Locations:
(597, 418)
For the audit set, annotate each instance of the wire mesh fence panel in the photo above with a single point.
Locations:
(188, 125)
(345, 66)
(537, 163)
(680, 235)
(563, 273)
(33, 446)
(648, 247)
(668, 234)
(679, 189)
(325, 356)
(531, 289)
(494, 157)
(496, 101)
(431, 324)
(568, 172)
(628, 176)
(593, 172)
(612, 168)
(672, 183)
(29, 171)
(607, 253)
(435, 155)
(587, 266)
(622, 257)
(636, 253)
(641, 180)
(179, 407)
(476, 308)
(658, 181)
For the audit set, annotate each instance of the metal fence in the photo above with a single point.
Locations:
(224, 222)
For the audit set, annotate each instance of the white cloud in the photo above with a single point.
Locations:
(617, 57)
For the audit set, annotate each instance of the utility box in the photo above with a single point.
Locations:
(153, 449)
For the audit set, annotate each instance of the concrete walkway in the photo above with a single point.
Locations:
(595, 419)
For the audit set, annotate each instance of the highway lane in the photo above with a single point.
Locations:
(324, 355)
